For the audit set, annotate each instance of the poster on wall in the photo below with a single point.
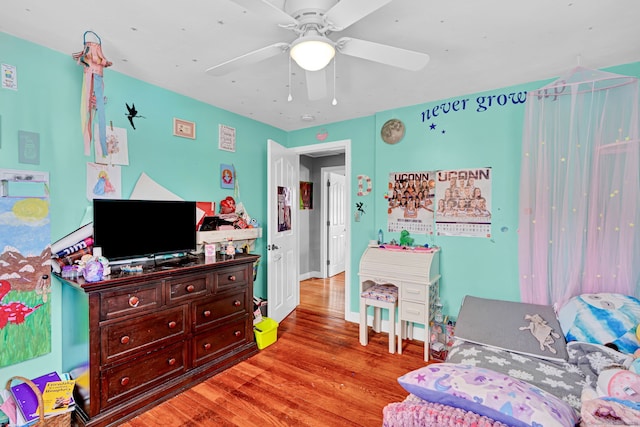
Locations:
(463, 202)
(226, 138)
(306, 195)
(284, 209)
(25, 269)
(410, 200)
(117, 147)
(227, 174)
(103, 181)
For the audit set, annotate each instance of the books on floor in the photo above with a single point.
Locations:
(57, 397)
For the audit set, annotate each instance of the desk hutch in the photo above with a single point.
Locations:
(416, 273)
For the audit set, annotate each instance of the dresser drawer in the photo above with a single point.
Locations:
(131, 300)
(126, 337)
(208, 312)
(216, 342)
(187, 287)
(129, 380)
(413, 312)
(414, 292)
(230, 277)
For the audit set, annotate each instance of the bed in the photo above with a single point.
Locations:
(520, 364)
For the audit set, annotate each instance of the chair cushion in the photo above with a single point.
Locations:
(388, 293)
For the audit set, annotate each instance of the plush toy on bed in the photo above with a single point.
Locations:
(601, 319)
(541, 331)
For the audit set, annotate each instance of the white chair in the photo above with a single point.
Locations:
(379, 297)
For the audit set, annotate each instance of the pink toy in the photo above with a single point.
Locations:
(227, 205)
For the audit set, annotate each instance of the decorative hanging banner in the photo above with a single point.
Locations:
(463, 206)
(93, 62)
(410, 200)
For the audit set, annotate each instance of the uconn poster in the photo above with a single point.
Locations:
(411, 204)
(463, 202)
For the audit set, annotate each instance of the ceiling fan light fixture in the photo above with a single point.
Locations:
(311, 52)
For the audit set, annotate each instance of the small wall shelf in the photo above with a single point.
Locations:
(238, 236)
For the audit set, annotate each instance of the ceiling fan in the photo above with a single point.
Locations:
(313, 21)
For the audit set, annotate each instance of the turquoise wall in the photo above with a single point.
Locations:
(48, 102)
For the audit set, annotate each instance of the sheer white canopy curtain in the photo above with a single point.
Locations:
(579, 220)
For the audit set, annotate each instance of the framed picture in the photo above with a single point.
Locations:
(227, 176)
(306, 195)
(184, 128)
(226, 138)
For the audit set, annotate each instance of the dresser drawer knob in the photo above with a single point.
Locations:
(207, 313)
(134, 301)
(172, 324)
(206, 346)
(171, 361)
(125, 339)
(232, 278)
(237, 303)
(190, 288)
(237, 333)
(124, 381)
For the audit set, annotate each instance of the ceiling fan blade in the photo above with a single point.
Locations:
(267, 9)
(346, 12)
(248, 59)
(382, 53)
(316, 84)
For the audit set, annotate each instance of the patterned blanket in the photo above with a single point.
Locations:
(562, 379)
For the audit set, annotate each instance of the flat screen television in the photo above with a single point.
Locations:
(129, 229)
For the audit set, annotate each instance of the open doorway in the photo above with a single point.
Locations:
(314, 241)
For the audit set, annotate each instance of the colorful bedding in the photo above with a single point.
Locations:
(574, 380)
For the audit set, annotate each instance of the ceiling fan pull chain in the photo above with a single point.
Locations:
(335, 101)
(289, 98)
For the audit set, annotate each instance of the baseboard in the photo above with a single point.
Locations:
(310, 275)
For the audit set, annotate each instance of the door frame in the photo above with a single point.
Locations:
(341, 146)
(324, 247)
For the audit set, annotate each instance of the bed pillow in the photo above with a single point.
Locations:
(488, 393)
(529, 329)
(601, 319)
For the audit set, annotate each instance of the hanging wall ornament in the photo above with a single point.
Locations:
(392, 131)
(92, 98)
(361, 191)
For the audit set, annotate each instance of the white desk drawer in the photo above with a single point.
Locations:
(414, 292)
(413, 312)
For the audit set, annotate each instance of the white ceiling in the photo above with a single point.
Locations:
(475, 45)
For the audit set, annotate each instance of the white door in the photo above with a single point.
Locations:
(283, 293)
(337, 227)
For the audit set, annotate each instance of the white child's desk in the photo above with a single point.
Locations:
(417, 276)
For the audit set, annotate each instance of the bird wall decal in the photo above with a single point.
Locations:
(132, 114)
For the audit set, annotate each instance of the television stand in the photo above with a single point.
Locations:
(155, 333)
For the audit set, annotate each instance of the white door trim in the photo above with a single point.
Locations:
(343, 145)
(324, 176)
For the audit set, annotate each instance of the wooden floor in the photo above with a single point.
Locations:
(316, 374)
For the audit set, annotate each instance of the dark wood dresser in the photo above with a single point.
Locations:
(156, 333)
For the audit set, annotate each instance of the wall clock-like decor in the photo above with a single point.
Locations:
(392, 131)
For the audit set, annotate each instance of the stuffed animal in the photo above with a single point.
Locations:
(227, 205)
(619, 383)
(541, 331)
(602, 318)
(405, 240)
